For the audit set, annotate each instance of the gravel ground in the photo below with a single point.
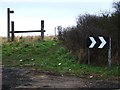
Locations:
(19, 78)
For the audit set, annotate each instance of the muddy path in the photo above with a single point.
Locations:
(16, 78)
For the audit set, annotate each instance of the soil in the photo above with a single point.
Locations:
(31, 79)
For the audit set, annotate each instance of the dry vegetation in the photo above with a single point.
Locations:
(28, 39)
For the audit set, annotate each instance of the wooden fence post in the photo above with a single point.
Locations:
(12, 28)
(8, 24)
(42, 29)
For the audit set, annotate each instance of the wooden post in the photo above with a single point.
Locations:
(42, 29)
(109, 53)
(12, 28)
(88, 56)
(8, 24)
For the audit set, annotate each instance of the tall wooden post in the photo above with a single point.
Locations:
(8, 24)
(42, 29)
(12, 28)
(88, 56)
(109, 53)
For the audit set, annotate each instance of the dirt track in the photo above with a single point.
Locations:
(15, 78)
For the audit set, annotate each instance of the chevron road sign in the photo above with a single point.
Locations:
(100, 42)
(97, 42)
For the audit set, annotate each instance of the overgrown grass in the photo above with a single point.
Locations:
(49, 55)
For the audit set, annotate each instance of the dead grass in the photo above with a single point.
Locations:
(27, 39)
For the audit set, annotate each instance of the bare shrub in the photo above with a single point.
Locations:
(74, 38)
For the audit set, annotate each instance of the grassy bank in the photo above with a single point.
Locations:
(51, 56)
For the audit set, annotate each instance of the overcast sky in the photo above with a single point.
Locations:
(29, 13)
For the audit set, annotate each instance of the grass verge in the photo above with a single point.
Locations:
(51, 56)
